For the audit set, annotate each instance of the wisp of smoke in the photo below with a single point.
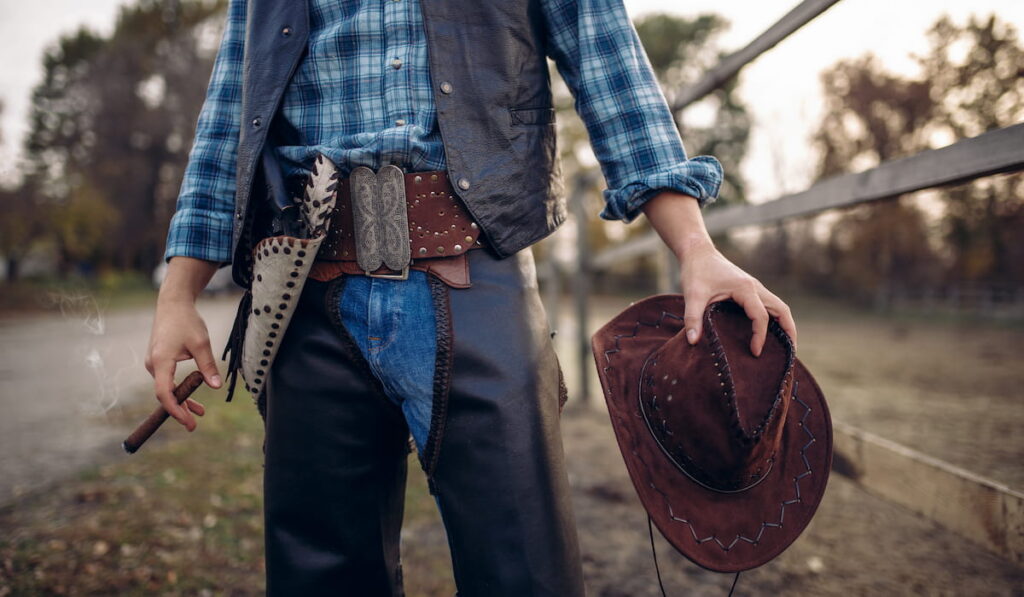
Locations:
(82, 309)
(84, 312)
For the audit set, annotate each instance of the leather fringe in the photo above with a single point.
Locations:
(234, 343)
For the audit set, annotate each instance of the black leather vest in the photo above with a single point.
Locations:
(490, 78)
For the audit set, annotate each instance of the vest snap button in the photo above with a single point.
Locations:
(256, 122)
(463, 184)
(446, 87)
(286, 31)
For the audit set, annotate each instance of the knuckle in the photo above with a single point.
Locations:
(161, 357)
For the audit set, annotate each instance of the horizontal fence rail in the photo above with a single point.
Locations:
(732, 64)
(994, 152)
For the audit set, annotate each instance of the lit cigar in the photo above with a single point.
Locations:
(148, 427)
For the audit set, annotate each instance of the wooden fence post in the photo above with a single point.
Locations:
(581, 285)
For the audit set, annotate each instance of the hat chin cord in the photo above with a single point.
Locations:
(657, 569)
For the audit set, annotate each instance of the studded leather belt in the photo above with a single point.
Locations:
(368, 219)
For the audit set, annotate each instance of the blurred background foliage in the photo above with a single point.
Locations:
(113, 118)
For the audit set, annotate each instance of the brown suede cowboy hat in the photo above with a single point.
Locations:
(729, 453)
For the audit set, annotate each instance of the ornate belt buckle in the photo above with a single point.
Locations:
(402, 275)
(381, 221)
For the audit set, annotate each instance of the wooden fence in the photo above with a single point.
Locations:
(877, 464)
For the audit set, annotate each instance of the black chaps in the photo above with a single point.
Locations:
(336, 448)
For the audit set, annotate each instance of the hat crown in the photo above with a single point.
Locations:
(715, 409)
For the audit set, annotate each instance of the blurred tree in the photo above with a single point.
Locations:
(83, 226)
(977, 80)
(872, 116)
(970, 83)
(18, 226)
(113, 120)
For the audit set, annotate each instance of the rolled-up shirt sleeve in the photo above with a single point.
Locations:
(599, 55)
(202, 222)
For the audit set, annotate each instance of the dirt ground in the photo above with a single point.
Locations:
(952, 390)
(184, 518)
(856, 545)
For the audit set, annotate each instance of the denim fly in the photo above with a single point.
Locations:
(392, 322)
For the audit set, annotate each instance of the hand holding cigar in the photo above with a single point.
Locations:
(148, 427)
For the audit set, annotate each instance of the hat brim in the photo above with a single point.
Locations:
(723, 532)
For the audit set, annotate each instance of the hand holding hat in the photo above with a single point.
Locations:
(707, 276)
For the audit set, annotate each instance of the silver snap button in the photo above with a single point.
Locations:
(286, 31)
(446, 87)
(396, 63)
(400, 122)
(256, 122)
(463, 184)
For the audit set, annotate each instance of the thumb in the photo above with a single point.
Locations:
(693, 318)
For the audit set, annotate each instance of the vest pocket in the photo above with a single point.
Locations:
(520, 116)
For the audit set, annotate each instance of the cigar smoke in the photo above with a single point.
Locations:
(83, 313)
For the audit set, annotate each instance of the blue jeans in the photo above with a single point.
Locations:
(392, 322)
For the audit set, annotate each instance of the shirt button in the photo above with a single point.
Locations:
(396, 63)
(286, 31)
(400, 122)
(256, 122)
(463, 184)
(446, 87)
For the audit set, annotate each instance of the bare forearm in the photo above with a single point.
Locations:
(186, 278)
(678, 221)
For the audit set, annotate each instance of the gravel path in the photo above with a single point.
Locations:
(71, 385)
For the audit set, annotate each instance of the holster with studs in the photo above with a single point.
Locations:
(281, 265)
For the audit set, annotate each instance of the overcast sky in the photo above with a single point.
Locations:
(781, 87)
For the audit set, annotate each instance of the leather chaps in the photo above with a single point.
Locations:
(336, 448)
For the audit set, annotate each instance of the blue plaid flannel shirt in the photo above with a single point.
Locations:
(335, 102)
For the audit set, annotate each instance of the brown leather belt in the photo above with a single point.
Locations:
(441, 231)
